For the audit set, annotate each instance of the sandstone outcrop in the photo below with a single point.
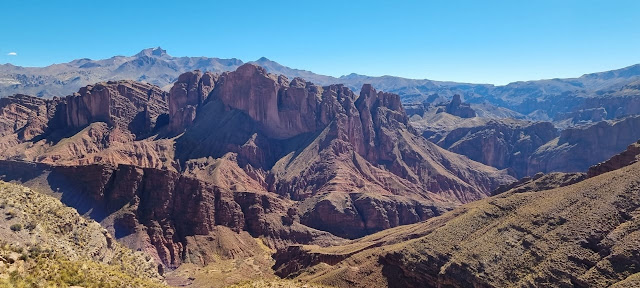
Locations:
(191, 90)
(282, 109)
(457, 108)
(167, 215)
(248, 154)
(128, 105)
(36, 129)
(525, 148)
(576, 149)
(307, 140)
(23, 118)
(501, 143)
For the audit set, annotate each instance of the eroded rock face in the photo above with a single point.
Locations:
(165, 213)
(260, 155)
(456, 107)
(353, 215)
(526, 148)
(299, 140)
(576, 149)
(110, 121)
(504, 144)
(128, 105)
(191, 90)
(626, 158)
(281, 109)
(28, 117)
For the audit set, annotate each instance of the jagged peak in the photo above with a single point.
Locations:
(152, 52)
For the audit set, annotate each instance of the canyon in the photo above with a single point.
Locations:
(541, 230)
(223, 165)
(234, 166)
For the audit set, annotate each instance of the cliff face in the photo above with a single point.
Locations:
(318, 145)
(372, 126)
(128, 105)
(247, 154)
(504, 143)
(191, 90)
(526, 148)
(23, 118)
(172, 217)
(283, 109)
(456, 107)
(576, 149)
(102, 123)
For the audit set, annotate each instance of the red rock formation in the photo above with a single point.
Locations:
(282, 110)
(191, 90)
(29, 113)
(24, 118)
(583, 234)
(259, 154)
(361, 145)
(129, 105)
(500, 143)
(163, 212)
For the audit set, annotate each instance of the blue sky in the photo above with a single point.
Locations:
(467, 41)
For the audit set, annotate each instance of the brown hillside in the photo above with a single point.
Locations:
(581, 235)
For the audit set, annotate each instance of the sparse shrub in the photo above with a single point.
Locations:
(35, 251)
(16, 227)
(10, 214)
(30, 226)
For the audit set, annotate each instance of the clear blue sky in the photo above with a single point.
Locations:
(470, 41)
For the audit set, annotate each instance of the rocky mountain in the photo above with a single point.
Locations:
(542, 232)
(589, 98)
(228, 167)
(153, 66)
(523, 147)
(576, 149)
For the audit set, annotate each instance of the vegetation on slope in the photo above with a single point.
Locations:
(46, 244)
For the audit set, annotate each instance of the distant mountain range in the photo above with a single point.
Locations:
(537, 100)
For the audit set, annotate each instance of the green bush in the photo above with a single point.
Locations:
(16, 227)
(30, 226)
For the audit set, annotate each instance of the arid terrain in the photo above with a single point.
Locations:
(153, 170)
(540, 231)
